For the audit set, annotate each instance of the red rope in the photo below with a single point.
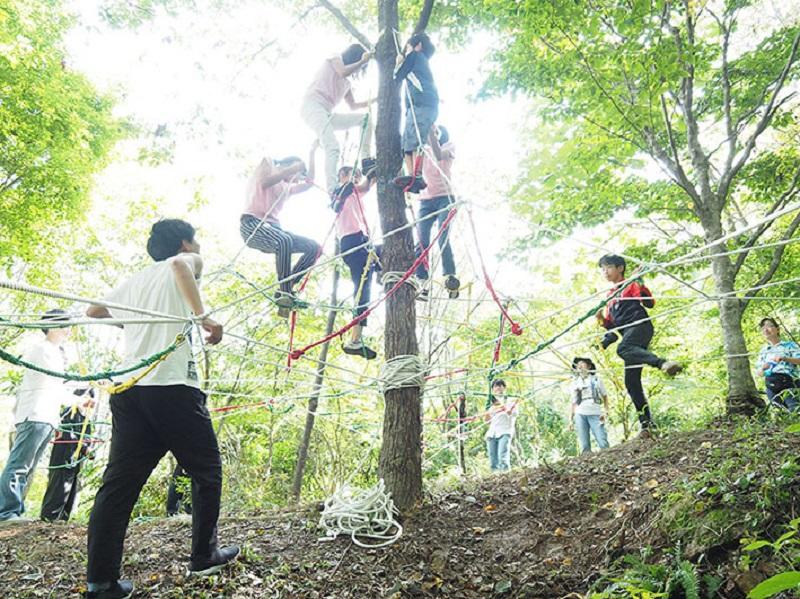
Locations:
(515, 326)
(298, 353)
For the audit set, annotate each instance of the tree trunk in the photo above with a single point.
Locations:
(302, 450)
(742, 397)
(401, 451)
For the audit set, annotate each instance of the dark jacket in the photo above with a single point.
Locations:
(626, 307)
(417, 71)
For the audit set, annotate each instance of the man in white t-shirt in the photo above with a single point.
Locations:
(164, 411)
(589, 397)
(501, 416)
(36, 415)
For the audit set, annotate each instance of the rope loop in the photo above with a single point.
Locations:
(403, 371)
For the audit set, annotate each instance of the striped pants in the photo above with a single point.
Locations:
(271, 239)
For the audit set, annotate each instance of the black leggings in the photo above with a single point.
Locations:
(633, 351)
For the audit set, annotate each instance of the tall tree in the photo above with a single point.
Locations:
(56, 130)
(401, 451)
(684, 84)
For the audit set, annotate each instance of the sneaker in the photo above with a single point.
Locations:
(119, 590)
(358, 348)
(645, 435)
(287, 302)
(410, 184)
(369, 168)
(452, 284)
(214, 563)
(671, 368)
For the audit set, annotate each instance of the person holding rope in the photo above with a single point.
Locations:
(351, 230)
(422, 107)
(434, 201)
(501, 417)
(626, 311)
(331, 84)
(267, 191)
(36, 416)
(164, 411)
(779, 363)
(71, 447)
(589, 399)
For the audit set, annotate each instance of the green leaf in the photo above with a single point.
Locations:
(771, 586)
(757, 545)
(793, 428)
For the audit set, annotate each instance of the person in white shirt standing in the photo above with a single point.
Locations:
(164, 411)
(36, 416)
(501, 417)
(589, 397)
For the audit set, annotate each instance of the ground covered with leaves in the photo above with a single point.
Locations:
(667, 515)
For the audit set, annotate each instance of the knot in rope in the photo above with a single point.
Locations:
(367, 513)
(516, 328)
(403, 371)
(297, 354)
(391, 277)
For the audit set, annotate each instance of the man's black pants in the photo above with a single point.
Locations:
(633, 351)
(148, 421)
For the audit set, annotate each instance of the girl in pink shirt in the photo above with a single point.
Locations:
(353, 243)
(267, 191)
(329, 87)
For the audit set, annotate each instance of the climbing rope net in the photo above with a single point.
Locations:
(266, 363)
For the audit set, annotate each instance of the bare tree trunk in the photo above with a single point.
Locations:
(742, 397)
(401, 451)
(313, 402)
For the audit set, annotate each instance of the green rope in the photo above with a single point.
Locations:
(98, 376)
(494, 371)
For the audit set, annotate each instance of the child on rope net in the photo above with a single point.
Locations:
(330, 85)
(351, 232)
(502, 415)
(72, 446)
(164, 411)
(589, 397)
(36, 416)
(267, 191)
(779, 363)
(433, 204)
(627, 311)
(422, 106)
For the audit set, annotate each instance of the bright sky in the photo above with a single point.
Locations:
(201, 75)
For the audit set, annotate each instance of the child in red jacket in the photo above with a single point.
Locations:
(626, 312)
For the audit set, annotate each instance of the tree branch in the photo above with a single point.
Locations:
(346, 23)
(424, 17)
(679, 172)
(760, 230)
(769, 112)
(775, 263)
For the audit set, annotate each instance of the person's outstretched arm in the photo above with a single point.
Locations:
(309, 181)
(280, 174)
(186, 268)
(344, 70)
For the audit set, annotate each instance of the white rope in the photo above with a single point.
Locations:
(402, 371)
(391, 278)
(365, 513)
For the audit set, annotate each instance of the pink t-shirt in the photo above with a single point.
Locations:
(269, 201)
(437, 180)
(351, 219)
(328, 87)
